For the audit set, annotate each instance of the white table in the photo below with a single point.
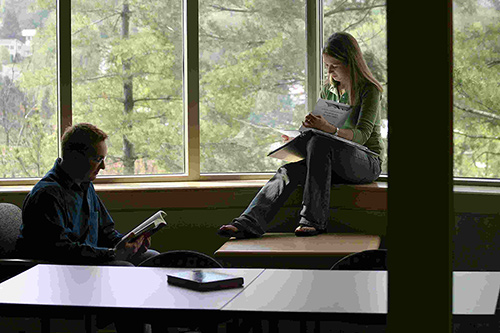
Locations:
(62, 290)
(363, 292)
(112, 287)
(315, 291)
(312, 294)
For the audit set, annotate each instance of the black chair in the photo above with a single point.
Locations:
(369, 260)
(10, 222)
(10, 262)
(182, 259)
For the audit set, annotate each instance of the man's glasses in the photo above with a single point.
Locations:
(98, 159)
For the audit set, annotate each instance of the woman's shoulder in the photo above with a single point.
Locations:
(370, 89)
(368, 86)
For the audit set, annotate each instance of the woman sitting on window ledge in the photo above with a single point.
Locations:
(328, 161)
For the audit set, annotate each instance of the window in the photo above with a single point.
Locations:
(252, 80)
(366, 21)
(476, 69)
(127, 77)
(28, 99)
(127, 80)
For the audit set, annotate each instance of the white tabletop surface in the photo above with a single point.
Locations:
(108, 286)
(315, 291)
(475, 292)
(320, 291)
(273, 290)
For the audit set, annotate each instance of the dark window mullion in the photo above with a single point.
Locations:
(64, 66)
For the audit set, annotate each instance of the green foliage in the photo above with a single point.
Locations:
(252, 77)
(476, 82)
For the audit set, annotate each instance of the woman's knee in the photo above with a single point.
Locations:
(319, 143)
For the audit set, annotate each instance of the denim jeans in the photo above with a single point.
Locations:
(327, 162)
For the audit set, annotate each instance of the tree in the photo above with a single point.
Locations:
(10, 27)
(127, 77)
(476, 100)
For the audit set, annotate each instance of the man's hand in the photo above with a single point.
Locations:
(145, 245)
(131, 248)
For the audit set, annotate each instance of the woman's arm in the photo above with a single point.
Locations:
(369, 109)
(320, 123)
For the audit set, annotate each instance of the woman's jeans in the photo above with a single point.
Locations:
(328, 162)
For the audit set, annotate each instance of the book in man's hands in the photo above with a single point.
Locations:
(335, 113)
(204, 280)
(146, 228)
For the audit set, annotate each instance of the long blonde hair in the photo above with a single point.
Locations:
(345, 48)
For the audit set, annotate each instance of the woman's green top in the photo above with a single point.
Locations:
(364, 120)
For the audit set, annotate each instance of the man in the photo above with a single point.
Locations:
(64, 220)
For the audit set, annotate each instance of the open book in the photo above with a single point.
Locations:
(146, 228)
(335, 113)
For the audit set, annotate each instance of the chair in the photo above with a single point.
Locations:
(369, 260)
(181, 259)
(10, 263)
(10, 223)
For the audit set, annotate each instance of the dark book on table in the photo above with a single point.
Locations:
(204, 280)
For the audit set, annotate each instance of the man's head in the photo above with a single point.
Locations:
(83, 151)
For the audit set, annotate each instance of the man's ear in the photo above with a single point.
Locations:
(72, 158)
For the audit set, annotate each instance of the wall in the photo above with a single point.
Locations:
(196, 210)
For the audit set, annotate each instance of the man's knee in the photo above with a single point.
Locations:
(118, 263)
(138, 258)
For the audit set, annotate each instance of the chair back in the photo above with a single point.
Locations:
(369, 260)
(10, 223)
(181, 259)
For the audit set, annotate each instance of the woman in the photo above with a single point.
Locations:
(328, 161)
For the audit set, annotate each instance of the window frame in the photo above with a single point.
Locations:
(314, 40)
(191, 94)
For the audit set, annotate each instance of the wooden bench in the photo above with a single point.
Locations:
(285, 250)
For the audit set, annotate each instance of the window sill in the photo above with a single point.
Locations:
(380, 186)
(238, 193)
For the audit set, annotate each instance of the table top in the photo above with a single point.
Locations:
(475, 292)
(315, 291)
(264, 290)
(358, 292)
(276, 244)
(112, 287)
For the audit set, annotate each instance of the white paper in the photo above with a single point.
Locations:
(335, 113)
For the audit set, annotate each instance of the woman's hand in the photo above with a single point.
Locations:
(286, 138)
(318, 122)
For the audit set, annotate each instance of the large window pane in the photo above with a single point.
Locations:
(476, 84)
(366, 21)
(127, 79)
(28, 100)
(252, 78)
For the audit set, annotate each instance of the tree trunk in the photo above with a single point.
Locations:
(128, 102)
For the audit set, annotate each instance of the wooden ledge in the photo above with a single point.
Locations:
(287, 244)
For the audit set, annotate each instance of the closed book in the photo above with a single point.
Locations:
(204, 280)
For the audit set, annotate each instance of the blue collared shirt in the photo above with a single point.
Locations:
(66, 222)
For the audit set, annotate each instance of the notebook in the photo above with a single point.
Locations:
(204, 280)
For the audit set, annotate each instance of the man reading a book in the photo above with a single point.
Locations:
(64, 220)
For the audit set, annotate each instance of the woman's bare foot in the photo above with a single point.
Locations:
(304, 230)
(229, 230)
